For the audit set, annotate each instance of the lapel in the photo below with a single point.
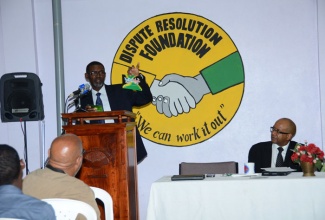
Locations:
(291, 146)
(110, 97)
(268, 154)
(89, 98)
(114, 95)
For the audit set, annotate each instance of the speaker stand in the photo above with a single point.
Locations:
(25, 148)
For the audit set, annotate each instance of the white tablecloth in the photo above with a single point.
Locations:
(225, 198)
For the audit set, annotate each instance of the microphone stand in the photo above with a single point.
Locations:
(78, 105)
(25, 148)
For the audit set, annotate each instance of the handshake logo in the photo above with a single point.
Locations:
(195, 74)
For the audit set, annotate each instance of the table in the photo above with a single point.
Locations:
(246, 198)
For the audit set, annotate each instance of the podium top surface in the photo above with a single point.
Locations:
(82, 116)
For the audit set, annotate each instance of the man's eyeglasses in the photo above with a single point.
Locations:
(277, 131)
(97, 73)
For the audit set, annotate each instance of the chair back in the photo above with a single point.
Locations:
(106, 198)
(205, 168)
(70, 208)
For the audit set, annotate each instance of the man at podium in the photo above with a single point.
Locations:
(104, 97)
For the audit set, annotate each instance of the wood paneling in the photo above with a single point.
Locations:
(110, 157)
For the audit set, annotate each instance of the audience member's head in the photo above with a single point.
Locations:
(11, 167)
(283, 131)
(66, 153)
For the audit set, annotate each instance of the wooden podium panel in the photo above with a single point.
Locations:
(110, 158)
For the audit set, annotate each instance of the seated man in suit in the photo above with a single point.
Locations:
(57, 179)
(278, 151)
(14, 204)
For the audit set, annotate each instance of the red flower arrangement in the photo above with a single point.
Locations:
(308, 153)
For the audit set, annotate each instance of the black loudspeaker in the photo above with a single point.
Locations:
(21, 97)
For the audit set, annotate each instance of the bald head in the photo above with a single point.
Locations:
(289, 125)
(283, 131)
(66, 153)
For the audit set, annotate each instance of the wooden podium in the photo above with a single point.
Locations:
(110, 158)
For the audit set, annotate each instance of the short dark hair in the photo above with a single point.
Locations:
(93, 63)
(9, 164)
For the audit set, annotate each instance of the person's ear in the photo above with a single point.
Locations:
(289, 137)
(77, 165)
(87, 77)
(22, 164)
(79, 159)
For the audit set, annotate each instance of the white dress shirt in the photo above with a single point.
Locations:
(104, 98)
(275, 152)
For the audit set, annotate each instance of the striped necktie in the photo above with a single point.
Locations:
(279, 159)
(99, 102)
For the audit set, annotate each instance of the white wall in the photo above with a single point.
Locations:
(321, 59)
(279, 43)
(19, 54)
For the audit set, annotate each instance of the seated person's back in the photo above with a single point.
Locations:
(57, 179)
(14, 204)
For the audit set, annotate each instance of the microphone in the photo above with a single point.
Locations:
(83, 89)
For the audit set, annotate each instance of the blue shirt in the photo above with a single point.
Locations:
(15, 204)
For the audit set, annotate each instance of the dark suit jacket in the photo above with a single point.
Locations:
(261, 155)
(125, 99)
